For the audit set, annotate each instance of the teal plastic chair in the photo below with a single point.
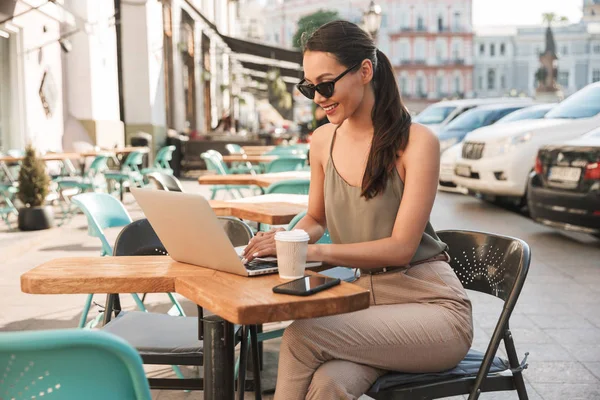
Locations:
(286, 163)
(70, 364)
(161, 162)
(214, 162)
(93, 179)
(292, 186)
(104, 211)
(129, 173)
(286, 151)
(241, 167)
(7, 193)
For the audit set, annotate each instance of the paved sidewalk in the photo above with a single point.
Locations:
(557, 318)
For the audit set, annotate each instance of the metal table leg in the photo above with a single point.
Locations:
(218, 359)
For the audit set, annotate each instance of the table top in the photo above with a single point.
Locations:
(238, 299)
(257, 150)
(272, 209)
(44, 157)
(262, 180)
(249, 158)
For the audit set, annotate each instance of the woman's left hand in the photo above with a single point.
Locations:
(261, 245)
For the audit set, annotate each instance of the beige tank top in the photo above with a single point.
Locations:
(353, 219)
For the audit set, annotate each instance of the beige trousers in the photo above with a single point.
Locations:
(419, 321)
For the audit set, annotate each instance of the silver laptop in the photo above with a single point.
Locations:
(191, 233)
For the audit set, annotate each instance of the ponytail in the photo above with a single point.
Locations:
(391, 123)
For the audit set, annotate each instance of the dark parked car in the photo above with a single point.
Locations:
(478, 117)
(564, 189)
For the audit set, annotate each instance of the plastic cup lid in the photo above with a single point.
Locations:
(296, 235)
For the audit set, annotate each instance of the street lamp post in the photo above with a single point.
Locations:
(372, 19)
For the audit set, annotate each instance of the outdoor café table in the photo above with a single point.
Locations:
(272, 209)
(251, 159)
(233, 299)
(257, 150)
(44, 157)
(261, 180)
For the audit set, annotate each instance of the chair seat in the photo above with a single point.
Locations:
(151, 170)
(469, 366)
(154, 334)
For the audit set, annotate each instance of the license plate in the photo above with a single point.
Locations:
(463, 170)
(564, 174)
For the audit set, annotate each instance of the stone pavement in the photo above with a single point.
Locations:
(557, 318)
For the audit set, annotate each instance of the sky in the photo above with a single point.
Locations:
(522, 12)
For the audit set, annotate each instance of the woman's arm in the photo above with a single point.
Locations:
(420, 160)
(263, 244)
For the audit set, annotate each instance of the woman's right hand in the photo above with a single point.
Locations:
(261, 245)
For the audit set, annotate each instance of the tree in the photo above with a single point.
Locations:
(309, 23)
(33, 179)
(551, 18)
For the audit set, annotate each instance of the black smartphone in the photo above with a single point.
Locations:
(306, 285)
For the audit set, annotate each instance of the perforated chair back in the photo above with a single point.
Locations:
(233, 148)
(138, 239)
(238, 232)
(163, 156)
(70, 364)
(214, 162)
(286, 163)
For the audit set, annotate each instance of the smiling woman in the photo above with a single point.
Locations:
(374, 177)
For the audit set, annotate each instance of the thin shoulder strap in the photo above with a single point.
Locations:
(333, 141)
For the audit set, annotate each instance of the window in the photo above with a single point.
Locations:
(596, 75)
(440, 24)
(563, 78)
(420, 24)
(502, 49)
(434, 114)
(404, 51)
(480, 82)
(482, 49)
(456, 84)
(420, 50)
(583, 104)
(457, 24)
(420, 87)
(597, 48)
(440, 85)
(502, 82)
(492, 50)
(491, 78)
(404, 85)
(456, 51)
(564, 50)
(384, 21)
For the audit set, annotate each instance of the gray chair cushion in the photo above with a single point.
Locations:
(469, 366)
(154, 334)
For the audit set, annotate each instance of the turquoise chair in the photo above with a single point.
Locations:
(286, 163)
(286, 151)
(104, 211)
(129, 173)
(92, 180)
(240, 167)
(292, 186)
(214, 162)
(161, 162)
(70, 364)
(7, 193)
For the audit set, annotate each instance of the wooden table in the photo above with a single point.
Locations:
(257, 150)
(251, 159)
(272, 209)
(45, 157)
(261, 180)
(236, 299)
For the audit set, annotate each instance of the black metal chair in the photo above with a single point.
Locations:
(487, 263)
(164, 181)
(172, 340)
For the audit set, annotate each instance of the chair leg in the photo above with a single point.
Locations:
(86, 310)
(242, 362)
(513, 360)
(176, 304)
(255, 362)
(138, 302)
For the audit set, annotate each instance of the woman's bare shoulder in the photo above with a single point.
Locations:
(422, 143)
(320, 141)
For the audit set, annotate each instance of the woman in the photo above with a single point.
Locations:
(373, 183)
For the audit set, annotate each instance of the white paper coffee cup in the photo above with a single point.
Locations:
(292, 247)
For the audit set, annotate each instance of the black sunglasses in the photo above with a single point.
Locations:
(325, 89)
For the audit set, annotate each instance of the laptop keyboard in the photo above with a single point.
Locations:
(255, 265)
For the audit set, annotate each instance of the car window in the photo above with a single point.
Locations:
(583, 104)
(470, 120)
(525, 113)
(461, 112)
(434, 114)
(504, 112)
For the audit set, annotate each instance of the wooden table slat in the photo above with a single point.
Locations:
(262, 180)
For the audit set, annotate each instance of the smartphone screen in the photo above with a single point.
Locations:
(306, 285)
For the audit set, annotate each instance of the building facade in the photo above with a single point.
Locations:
(428, 42)
(513, 72)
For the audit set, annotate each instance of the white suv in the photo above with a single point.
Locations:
(496, 160)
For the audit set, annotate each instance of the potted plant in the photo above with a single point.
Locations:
(33, 188)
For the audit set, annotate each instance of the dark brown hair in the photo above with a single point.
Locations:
(350, 45)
